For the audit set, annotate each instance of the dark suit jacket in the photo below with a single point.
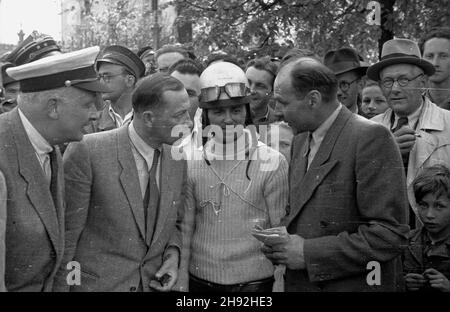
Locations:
(350, 207)
(35, 227)
(3, 197)
(105, 214)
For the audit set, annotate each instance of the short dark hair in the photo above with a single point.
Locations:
(296, 53)
(149, 91)
(214, 57)
(186, 66)
(171, 49)
(264, 63)
(309, 74)
(432, 180)
(437, 32)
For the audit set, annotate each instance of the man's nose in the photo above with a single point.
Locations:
(430, 214)
(227, 117)
(372, 105)
(435, 61)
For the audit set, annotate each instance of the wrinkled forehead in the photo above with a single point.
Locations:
(402, 69)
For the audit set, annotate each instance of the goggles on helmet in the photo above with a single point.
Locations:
(232, 89)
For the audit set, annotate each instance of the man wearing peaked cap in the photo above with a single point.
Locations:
(349, 68)
(10, 89)
(34, 47)
(420, 127)
(55, 102)
(119, 69)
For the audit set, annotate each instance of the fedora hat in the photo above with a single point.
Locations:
(399, 51)
(343, 60)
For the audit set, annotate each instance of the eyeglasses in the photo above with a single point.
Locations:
(345, 85)
(402, 81)
(233, 90)
(107, 77)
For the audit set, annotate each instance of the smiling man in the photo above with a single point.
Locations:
(349, 69)
(55, 102)
(421, 128)
(436, 50)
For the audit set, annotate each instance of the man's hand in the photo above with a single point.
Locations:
(405, 138)
(167, 274)
(415, 281)
(437, 280)
(289, 253)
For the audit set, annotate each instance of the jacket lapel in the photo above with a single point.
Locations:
(318, 169)
(169, 179)
(38, 189)
(129, 178)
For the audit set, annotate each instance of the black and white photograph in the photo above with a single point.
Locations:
(224, 152)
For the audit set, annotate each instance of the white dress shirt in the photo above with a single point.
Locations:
(143, 156)
(41, 147)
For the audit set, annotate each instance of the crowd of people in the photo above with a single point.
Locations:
(152, 171)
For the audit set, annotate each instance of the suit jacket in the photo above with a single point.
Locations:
(3, 197)
(105, 214)
(433, 145)
(35, 227)
(350, 207)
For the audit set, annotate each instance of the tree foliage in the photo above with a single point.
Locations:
(241, 26)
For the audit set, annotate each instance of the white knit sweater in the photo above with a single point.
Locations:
(222, 249)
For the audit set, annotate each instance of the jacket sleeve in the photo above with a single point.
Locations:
(381, 202)
(78, 181)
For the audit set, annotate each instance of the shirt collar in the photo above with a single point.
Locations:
(145, 150)
(439, 248)
(413, 118)
(38, 142)
(319, 133)
(117, 118)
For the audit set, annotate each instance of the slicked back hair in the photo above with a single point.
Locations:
(309, 74)
(432, 180)
(186, 66)
(148, 94)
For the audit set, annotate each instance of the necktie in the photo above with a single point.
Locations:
(151, 198)
(54, 176)
(402, 121)
(305, 154)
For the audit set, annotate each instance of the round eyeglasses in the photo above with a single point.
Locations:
(345, 85)
(402, 81)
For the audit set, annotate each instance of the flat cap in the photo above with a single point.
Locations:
(34, 47)
(120, 55)
(74, 69)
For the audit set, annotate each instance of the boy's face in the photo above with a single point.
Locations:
(434, 212)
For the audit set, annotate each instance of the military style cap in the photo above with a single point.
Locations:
(74, 69)
(120, 55)
(33, 48)
(6, 79)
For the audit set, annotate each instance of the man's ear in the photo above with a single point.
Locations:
(130, 81)
(148, 117)
(315, 98)
(53, 107)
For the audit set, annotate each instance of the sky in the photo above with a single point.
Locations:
(41, 15)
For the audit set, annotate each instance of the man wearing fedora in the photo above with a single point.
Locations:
(55, 102)
(421, 128)
(349, 68)
(119, 69)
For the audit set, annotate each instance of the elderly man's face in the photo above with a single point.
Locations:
(404, 100)
(76, 110)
